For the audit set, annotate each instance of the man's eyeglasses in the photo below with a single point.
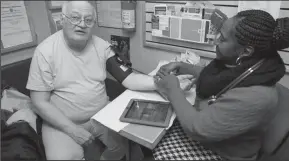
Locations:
(76, 20)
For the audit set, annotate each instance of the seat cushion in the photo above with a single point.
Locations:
(279, 126)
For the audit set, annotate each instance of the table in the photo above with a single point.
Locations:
(175, 145)
(147, 136)
(171, 144)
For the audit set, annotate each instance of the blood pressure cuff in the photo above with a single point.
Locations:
(117, 69)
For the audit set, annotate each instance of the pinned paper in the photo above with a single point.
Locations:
(217, 19)
(164, 22)
(190, 57)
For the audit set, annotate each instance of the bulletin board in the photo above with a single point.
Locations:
(17, 30)
(230, 8)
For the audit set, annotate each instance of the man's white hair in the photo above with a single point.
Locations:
(66, 4)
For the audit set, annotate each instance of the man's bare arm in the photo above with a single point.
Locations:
(136, 81)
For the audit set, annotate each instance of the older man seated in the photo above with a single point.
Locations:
(66, 81)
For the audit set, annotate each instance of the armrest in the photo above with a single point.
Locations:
(16, 75)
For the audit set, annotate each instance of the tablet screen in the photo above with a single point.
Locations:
(148, 111)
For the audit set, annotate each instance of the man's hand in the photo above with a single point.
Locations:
(79, 134)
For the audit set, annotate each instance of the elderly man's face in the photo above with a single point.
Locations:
(78, 10)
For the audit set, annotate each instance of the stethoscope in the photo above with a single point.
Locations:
(236, 81)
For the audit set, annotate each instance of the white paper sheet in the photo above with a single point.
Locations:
(110, 114)
(272, 7)
(15, 28)
(163, 22)
(109, 13)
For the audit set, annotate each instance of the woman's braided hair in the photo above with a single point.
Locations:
(259, 29)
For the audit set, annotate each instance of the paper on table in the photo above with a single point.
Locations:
(110, 114)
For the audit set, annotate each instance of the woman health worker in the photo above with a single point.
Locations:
(236, 93)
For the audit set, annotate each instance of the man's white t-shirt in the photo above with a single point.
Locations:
(76, 80)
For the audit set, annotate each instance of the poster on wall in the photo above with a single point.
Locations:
(109, 14)
(122, 44)
(15, 27)
(272, 7)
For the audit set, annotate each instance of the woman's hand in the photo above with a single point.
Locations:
(166, 83)
(170, 67)
(186, 82)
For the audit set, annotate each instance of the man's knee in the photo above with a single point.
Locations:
(59, 146)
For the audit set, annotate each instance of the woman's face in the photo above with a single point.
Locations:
(227, 47)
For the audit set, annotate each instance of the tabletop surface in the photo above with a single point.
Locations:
(147, 136)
